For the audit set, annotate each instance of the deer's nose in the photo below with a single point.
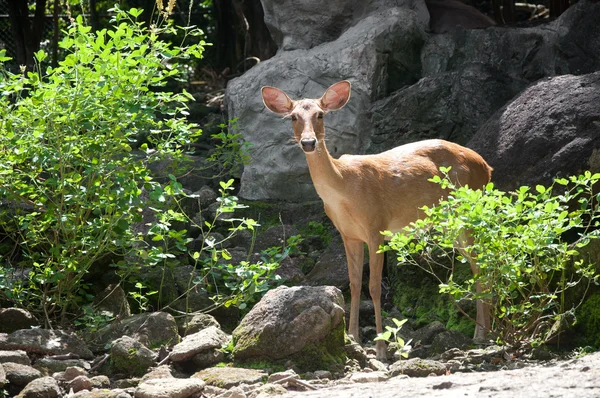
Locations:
(308, 144)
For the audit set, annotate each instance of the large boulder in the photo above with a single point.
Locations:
(379, 54)
(550, 129)
(45, 342)
(304, 324)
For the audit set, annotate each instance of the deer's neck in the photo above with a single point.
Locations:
(325, 173)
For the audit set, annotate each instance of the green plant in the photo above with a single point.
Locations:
(75, 145)
(518, 241)
(231, 151)
(392, 337)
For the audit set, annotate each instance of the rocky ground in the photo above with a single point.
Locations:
(36, 362)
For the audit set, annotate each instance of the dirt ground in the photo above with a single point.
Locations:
(575, 378)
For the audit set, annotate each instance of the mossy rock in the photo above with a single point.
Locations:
(588, 321)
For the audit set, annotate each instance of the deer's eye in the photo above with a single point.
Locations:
(294, 118)
(320, 115)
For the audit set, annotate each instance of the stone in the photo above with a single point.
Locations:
(205, 196)
(100, 382)
(230, 377)
(46, 342)
(169, 388)
(551, 129)
(43, 387)
(50, 365)
(196, 322)
(369, 377)
(113, 302)
(267, 390)
(130, 357)
(208, 358)
(427, 333)
(448, 339)
(151, 329)
(80, 383)
(378, 53)
(3, 379)
(417, 367)
(160, 372)
(17, 356)
(73, 372)
(331, 269)
(285, 375)
(204, 340)
(20, 375)
(13, 319)
(304, 324)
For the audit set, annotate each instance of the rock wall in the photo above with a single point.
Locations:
(407, 84)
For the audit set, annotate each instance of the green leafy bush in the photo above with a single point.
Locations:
(75, 144)
(518, 240)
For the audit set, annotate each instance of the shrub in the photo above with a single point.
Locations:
(518, 240)
(75, 144)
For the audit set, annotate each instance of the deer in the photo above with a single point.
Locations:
(364, 195)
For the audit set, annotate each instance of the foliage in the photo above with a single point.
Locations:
(71, 178)
(391, 336)
(518, 241)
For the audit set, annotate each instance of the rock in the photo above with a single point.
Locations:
(370, 377)
(20, 375)
(80, 383)
(378, 53)
(152, 329)
(44, 387)
(417, 367)
(234, 392)
(196, 299)
(46, 342)
(376, 365)
(3, 379)
(130, 357)
(100, 382)
(205, 196)
(275, 236)
(195, 323)
(267, 390)
(230, 377)
(304, 324)
(17, 356)
(290, 271)
(427, 333)
(549, 130)
(208, 358)
(113, 301)
(323, 374)
(288, 374)
(355, 351)
(331, 269)
(73, 372)
(205, 340)
(160, 372)
(50, 365)
(169, 388)
(448, 339)
(487, 354)
(13, 319)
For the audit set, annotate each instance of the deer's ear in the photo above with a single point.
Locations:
(276, 100)
(336, 96)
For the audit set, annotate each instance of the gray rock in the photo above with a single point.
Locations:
(378, 54)
(196, 322)
(355, 351)
(427, 333)
(80, 383)
(331, 269)
(100, 382)
(195, 298)
(113, 301)
(267, 390)
(44, 387)
(20, 375)
(73, 372)
(230, 377)
(290, 271)
(205, 196)
(288, 322)
(417, 367)
(208, 358)
(50, 365)
(130, 357)
(487, 354)
(448, 339)
(3, 379)
(45, 342)
(205, 340)
(296, 25)
(169, 388)
(160, 372)
(17, 356)
(275, 236)
(151, 329)
(13, 319)
(287, 374)
(369, 377)
(551, 129)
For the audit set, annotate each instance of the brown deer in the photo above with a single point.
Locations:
(367, 194)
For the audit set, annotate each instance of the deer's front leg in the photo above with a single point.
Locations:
(355, 257)
(375, 273)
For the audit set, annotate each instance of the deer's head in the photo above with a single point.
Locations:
(307, 114)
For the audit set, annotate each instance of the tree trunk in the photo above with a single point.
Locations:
(27, 32)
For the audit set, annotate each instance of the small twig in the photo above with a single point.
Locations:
(100, 363)
(165, 359)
